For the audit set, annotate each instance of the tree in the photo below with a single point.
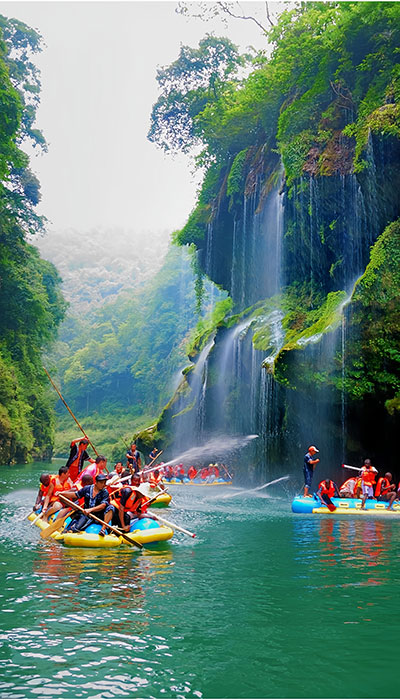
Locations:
(198, 77)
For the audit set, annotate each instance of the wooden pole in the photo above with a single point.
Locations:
(69, 410)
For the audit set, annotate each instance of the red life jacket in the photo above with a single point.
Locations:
(330, 491)
(382, 487)
(192, 472)
(368, 477)
(216, 472)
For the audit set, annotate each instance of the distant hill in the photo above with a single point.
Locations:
(97, 265)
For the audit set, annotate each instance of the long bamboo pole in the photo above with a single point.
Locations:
(69, 410)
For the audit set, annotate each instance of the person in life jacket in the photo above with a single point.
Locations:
(128, 505)
(77, 456)
(347, 489)
(385, 490)
(327, 489)
(96, 500)
(45, 481)
(180, 472)
(216, 471)
(155, 480)
(192, 472)
(97, 467)
(115, 475)
(368, 473)
(58, 484)
(204, 473)
(86, 480)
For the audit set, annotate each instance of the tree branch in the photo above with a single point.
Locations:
(225, 8)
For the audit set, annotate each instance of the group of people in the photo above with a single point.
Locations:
(206, 474)
(116, 497)
(364, 485)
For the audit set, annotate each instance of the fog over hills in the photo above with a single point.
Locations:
(97, 265)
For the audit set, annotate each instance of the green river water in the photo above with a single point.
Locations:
(262, 604)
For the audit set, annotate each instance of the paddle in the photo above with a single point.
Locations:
(226, 471)
(55, 525)
(97, 520)
(37, 518)
(174, 527)
(144, 470)
(347, 466)
(69, 410)
(240, 493)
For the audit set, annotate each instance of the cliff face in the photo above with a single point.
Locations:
(301, 229)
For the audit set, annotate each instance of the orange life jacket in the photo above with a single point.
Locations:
(59, 486)
(154, 480)
(382, 487)
(349, 484)
(45, 489)
(192, 472)
(368, 477)
(330, 491)
(132, 504)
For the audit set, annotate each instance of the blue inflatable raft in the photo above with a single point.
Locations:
(345, 506)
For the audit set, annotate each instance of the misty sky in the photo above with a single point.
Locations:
(98, 87)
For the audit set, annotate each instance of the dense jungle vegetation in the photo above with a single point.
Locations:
(31, 304)
(326, 96)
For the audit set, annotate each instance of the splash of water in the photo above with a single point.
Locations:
(218, 446)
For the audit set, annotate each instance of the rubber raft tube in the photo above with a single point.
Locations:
(199, 482)
(146, 531)
(346, 506)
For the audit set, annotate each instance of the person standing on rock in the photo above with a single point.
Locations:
(308, 469)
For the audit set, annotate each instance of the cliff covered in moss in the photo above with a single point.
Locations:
(297, 220)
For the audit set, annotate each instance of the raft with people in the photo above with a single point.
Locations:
(343, 506)
(145, 531)
(206, 476)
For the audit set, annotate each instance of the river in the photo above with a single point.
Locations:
(261, 604)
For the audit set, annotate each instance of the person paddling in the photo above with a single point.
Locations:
(45, 481)
(133, 458)
(327, 490)
(58, 485)
(96, 500)
(308, 469)
(129, 504)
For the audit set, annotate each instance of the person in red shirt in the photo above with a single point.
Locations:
(45, 481)
(192, 472)
(326, 491)
(77, 457)
(385, 490)
(368, 474)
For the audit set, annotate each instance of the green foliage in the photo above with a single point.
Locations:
(236, 177)
(197, 77)
(31, 305)
(205, 327)
(117, 367)
(373, 356)
(333, 73)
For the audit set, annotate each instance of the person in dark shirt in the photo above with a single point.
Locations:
(133, 458)
(308, 469)
(96, 501)
(153, 454)
(77, 457)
